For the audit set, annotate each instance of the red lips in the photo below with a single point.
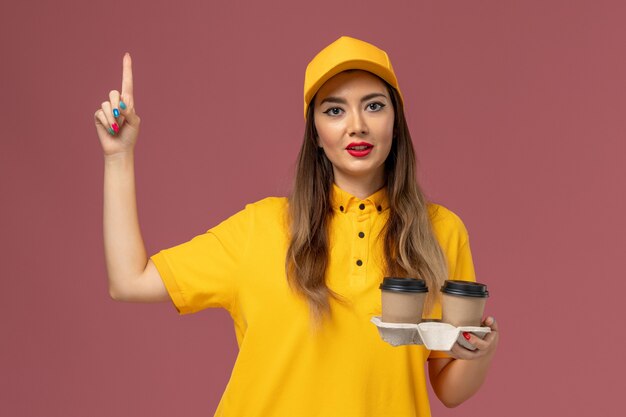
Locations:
(359, 149)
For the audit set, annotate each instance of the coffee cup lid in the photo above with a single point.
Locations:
(465, 288)
(403, 284)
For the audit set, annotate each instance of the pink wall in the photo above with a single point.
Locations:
(518, 113)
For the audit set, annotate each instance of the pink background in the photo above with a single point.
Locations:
(517, 109)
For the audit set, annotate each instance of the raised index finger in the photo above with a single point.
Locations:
(127, 79)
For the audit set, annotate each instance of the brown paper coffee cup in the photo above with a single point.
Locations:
(403, 299)
(463, 302)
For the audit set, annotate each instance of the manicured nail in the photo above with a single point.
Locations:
(466, 335)
(116, 113)
(122, 105)
(111, 131)
(115, 127)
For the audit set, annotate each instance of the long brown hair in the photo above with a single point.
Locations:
(410, 246)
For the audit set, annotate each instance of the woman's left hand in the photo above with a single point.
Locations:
(484, 347)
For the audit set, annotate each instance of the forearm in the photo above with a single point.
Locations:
(460, 379)
(124, 249)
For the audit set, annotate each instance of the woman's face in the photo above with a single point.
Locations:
(354, 119)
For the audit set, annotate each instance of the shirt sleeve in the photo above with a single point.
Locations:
(202, 272)
(453, 238)
(456, 246)
(464, 265)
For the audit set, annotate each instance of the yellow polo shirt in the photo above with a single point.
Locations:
(284, 367)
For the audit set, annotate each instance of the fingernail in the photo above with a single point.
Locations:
(122, 105)
(116, 113)
(466, 335)
(111, 131)
(115, 127)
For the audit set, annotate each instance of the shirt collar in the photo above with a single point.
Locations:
(344, 202)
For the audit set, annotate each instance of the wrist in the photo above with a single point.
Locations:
(119, 158)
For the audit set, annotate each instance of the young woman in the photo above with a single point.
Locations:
(300, 275)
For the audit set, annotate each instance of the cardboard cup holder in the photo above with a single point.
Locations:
(432, 334)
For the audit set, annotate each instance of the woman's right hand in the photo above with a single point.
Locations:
(119, 134)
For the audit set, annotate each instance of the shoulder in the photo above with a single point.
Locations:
(265, 215)
(269, 211)
(445, 222)
(269, 204)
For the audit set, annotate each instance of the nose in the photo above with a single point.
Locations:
(357, 126)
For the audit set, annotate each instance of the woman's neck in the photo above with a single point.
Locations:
(361, 187)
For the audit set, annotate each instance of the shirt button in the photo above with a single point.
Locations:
(340, 208)
(359, 262)
(379, 208)
(361, 235)
(362, 206)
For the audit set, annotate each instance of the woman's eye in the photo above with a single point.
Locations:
(333, 111)
(375, 106)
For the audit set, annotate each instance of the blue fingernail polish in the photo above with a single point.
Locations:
(122, 105)
(116, 113)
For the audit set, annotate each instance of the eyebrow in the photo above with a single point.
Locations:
(340, 100)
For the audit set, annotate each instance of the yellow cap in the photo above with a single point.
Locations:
(346, 53)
